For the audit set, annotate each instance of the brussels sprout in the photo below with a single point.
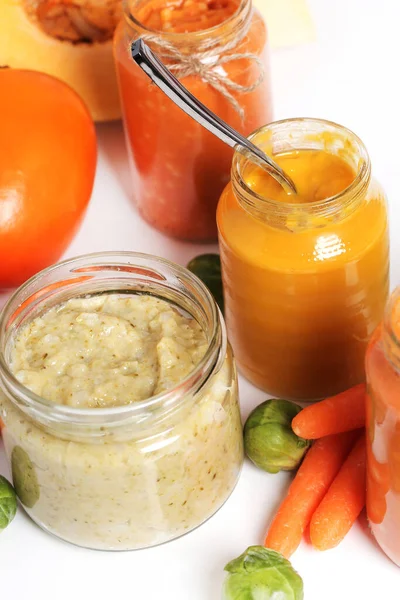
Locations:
(262, 574)
(24, 477)
(207, 267)
(269, 440)
(8, 503)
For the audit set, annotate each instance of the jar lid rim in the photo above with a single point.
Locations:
(356, 187)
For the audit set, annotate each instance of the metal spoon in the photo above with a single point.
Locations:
(172, 87)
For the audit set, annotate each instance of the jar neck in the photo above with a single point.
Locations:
(294, 135)
(233, 28)
(129, 273)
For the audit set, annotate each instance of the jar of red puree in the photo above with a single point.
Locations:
(383, 431)
(219, 51)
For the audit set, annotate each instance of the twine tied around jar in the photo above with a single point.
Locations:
(203, 64)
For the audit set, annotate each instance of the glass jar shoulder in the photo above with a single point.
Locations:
(303, 241)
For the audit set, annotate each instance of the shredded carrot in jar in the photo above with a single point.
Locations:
(184, 16)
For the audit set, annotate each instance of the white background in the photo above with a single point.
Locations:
(350, 75)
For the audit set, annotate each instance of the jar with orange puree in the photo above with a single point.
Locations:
(383, 431)
(306, 275)
(219, 51)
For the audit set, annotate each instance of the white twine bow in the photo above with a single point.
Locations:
(203, 64)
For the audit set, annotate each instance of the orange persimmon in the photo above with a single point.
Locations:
(47, 167)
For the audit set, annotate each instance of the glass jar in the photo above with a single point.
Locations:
(383, 431)
(305, 284)
(178, 168)
(130, 476)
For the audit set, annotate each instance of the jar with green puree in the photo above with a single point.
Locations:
(119, 401)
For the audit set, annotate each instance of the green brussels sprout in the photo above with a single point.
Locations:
(269, 440)
(262, 574)
(24, 477)
(207, 267)
(8, 503)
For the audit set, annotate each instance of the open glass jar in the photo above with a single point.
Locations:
(305, 283)
(383, 431)
(128, 476)
(221, 55)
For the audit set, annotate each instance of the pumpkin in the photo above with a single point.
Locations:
(69, 39)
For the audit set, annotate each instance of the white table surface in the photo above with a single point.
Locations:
(350, 75)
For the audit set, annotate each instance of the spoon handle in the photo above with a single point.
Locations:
(172, 87)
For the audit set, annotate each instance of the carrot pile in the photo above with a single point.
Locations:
(328, 492)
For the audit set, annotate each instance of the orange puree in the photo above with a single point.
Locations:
(305, 277)
(179, 169)
(383, 428)
(317, 176)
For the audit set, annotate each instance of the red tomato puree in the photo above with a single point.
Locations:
(383, 428)
(180, 169)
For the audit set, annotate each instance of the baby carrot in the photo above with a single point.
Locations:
(151, 11)
(312, 481)
(343, 502)
(343, 412)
